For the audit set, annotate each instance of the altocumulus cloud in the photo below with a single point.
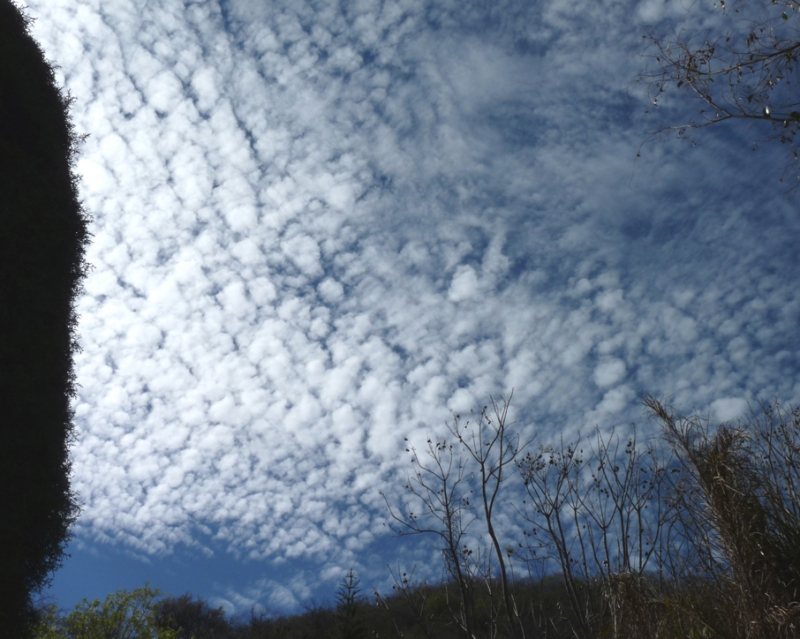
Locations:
(322, 226)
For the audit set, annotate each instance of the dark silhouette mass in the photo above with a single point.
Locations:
(43, 236)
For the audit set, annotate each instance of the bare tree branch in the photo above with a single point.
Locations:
(747, 72)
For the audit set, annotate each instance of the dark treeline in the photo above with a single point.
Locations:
(188, 617)
(695, 533)
(43, 234)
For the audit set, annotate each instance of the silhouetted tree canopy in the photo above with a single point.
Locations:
(43, 236)
(191, 618)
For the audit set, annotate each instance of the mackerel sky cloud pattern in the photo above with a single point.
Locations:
(320, 227)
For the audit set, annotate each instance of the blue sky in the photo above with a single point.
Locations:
(320, 227)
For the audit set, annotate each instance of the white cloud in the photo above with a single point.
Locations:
(204, 83)
(304, 252)
(609, 373)
(614, 401)
(331, 290)
(464, 285)
(728, 409)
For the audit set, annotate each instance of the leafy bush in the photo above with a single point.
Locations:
(122, 615)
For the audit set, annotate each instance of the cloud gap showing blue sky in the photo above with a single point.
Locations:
(320, 227)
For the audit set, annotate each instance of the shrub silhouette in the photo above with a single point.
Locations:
(348, 603)
(43, 235)
(738, 505)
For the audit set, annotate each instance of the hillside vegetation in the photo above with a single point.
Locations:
(694, 534)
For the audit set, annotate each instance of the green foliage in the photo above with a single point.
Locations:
(122, 615)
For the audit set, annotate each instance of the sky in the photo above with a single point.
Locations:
(321, 227)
